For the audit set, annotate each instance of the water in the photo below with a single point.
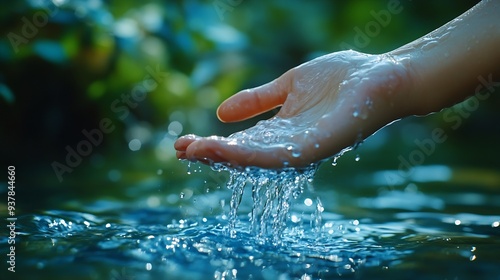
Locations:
(423, 230)
(273, 191)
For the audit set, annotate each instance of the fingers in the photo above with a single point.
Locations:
(182, 143)
(251, 102)
(225, 151)
(212, 150)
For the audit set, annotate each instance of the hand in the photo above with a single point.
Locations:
(327, 105)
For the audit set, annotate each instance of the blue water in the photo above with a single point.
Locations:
(407, 231)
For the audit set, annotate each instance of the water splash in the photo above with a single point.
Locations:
(272, 193)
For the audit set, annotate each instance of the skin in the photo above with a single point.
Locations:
(332, 102)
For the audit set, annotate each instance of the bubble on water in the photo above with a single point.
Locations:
(357, 158)
(182, 194)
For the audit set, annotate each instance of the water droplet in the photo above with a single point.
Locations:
(369, 102)
(356, 112)
(295, 151)
(357, 158)
(319, 206)
(188, 171)
(316, 145)
(308, 202)
(181, 195)
(266, 137)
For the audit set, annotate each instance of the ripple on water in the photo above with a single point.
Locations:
(193, 248)
(196, 247)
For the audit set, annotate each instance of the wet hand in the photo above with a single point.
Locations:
(327, 105)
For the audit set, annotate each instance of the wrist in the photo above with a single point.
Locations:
(445, 64)
(405, 94)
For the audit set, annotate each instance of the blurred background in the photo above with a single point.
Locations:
(94, 93)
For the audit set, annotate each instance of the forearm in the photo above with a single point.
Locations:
(445, 65)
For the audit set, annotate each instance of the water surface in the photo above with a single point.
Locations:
(419, 230)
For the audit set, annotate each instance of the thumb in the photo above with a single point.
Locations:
(251, 102)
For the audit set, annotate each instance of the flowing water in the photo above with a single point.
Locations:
(273, 192)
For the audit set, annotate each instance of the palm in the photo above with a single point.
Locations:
(327, 104)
